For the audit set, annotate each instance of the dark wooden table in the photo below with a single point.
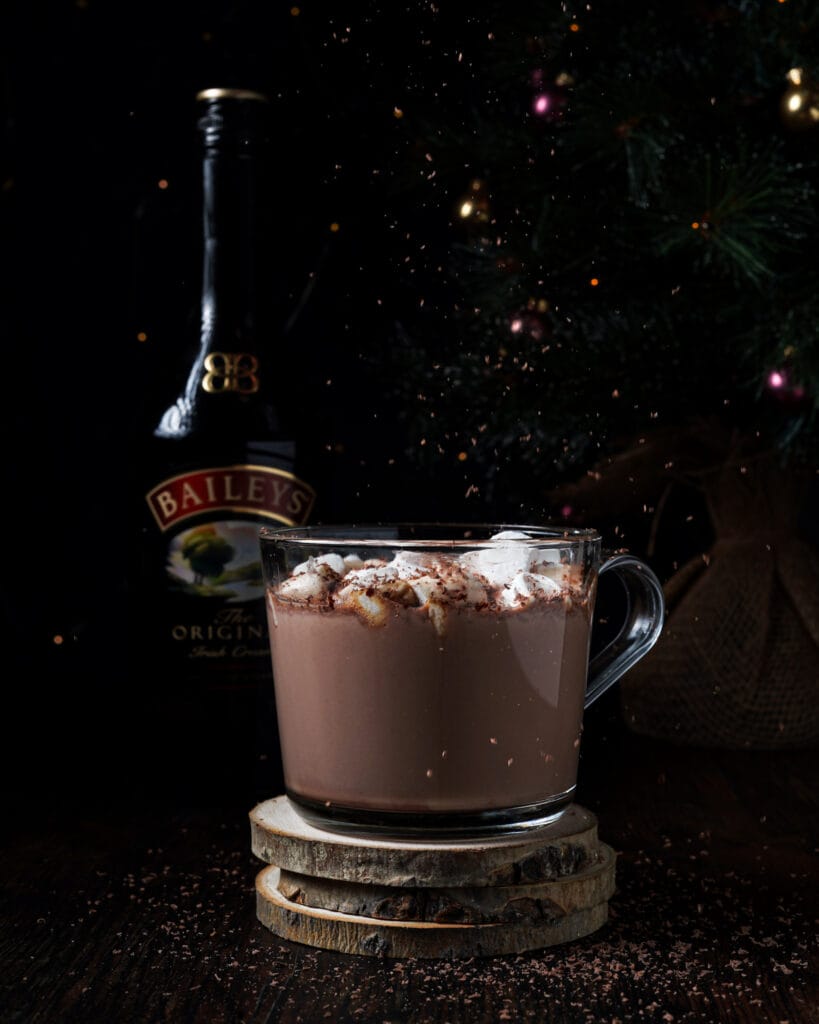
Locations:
(125, 909)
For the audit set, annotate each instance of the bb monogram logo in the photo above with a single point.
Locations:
(231, 371)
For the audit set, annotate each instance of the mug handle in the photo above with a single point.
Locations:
(642, 626)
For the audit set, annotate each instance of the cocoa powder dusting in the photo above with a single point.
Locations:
(682, 944)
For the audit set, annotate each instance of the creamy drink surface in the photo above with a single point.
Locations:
(431, 683)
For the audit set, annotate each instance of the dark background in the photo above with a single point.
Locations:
(99, 104)
(99, 111)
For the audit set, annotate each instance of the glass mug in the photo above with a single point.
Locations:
(431, 679)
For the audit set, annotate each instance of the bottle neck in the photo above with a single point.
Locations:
(234, 353)
(231, 252)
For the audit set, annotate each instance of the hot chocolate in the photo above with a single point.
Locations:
(429, 683)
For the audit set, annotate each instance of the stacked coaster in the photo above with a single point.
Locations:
(402, 898)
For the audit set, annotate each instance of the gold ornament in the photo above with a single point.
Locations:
(474, 206)
(800, 102)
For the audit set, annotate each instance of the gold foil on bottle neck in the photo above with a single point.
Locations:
(231, 94)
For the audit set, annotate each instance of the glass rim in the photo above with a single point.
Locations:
(366, 535)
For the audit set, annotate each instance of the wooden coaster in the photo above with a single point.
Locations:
(369, 936)
(488, 904)
(280, 836)
(396, 898)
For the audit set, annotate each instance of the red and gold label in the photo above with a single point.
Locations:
(254, 490)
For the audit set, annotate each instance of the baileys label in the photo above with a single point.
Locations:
(255, 490)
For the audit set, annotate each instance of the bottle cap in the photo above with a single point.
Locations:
(231, 94)
(226, 123)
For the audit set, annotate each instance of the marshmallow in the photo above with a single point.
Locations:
(527, 587)
(428, 588)
(498, 565)
(319, 564)
(372, 608)
(412, 563)
(372, 576)
(307, 586)
(546, 557)
(437, 616)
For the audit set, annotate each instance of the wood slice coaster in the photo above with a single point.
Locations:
(280, 836)
(369, 936)
(488, 904)
(396, 898)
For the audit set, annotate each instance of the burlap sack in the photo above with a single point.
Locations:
(737, 665)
